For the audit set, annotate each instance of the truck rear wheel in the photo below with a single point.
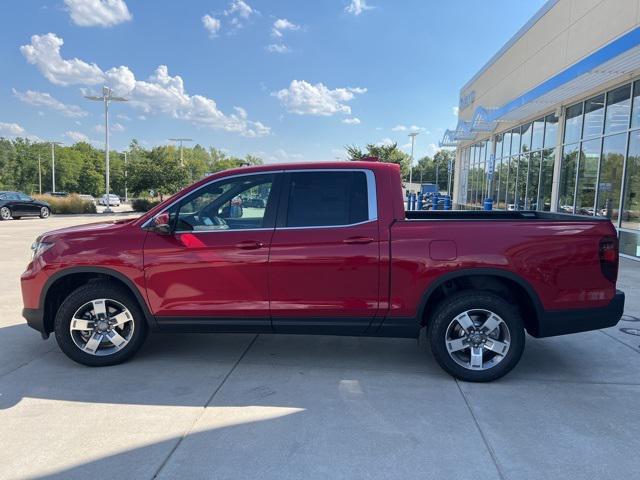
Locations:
(476, 336)
(100, 324)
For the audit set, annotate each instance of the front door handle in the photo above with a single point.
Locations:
(357, 240)
(250, 245)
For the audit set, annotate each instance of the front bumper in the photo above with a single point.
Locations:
(562, 322)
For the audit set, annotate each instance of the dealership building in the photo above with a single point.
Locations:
(552, 121)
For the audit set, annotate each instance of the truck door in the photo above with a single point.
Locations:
(213, 268)
(324, 262)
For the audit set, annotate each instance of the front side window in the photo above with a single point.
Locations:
(235, 204)
(327, 199)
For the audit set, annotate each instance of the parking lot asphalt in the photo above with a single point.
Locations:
(292, 407)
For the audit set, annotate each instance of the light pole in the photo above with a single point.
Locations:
(181, 140)
(126, 193)
(39, 176)
(107, 97)
(413, 136)
(435, 159)
(53, 165)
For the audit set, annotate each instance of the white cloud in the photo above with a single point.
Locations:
(77, 136)
(239, 11)
(352, 121)
(432, 148)
(41, 99)
(399, 128)
(277, 48)
(123, 117)
(303, 98)
(44, 53)
(101, 13)
(282, 155)
(11, 129)
(356, 7)
(281, 25)
(339, 153)
(278, 156)
(113, 127)
(240, 8)
(385, 142)
(211, 25)
(456, 110)
(160, 93)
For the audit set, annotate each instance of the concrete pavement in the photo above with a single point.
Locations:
(273, 406)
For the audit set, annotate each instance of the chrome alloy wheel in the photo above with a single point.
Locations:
(5, 213)
(44, 212)
(102, 327)
(478, 339)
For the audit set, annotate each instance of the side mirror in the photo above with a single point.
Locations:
(161, 224)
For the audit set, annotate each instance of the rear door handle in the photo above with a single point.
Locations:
(357, 240)
(250, 245)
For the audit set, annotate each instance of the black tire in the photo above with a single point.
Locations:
(87, 293)
(3, 215)
(48, 213)
(457, 304)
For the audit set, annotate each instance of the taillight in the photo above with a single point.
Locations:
(609, 258)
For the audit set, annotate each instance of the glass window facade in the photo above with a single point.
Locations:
(600, 170)
(522, 168)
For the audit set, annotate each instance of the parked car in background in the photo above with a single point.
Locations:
(57, 194)
(17, 205)
(254, 202)
(113, 200)
(88, 198)
(333, 252)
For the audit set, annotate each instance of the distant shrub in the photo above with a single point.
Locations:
(143, 204)
(68, 205)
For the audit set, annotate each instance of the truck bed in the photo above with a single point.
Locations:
(528, 215)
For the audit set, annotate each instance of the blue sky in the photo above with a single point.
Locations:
(286, 80)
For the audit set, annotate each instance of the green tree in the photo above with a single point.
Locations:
(159, 171)
(386, 153)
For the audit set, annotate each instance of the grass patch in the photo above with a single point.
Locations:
(143, 204)
(67, 205)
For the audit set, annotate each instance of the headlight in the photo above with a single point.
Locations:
(39, 247)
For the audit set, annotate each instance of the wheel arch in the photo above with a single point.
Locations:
(488, 279)
(63, 282)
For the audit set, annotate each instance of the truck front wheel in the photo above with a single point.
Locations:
(476, 336)
(100, 324)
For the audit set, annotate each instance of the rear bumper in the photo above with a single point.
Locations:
(35, 319)
(562, 322)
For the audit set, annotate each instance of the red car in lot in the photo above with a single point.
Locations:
(330, 251)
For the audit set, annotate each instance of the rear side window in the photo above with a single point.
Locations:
(319, 199)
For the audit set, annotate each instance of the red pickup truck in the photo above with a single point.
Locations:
(324, 248)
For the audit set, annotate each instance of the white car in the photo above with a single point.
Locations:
(114, 200)
(87, 198)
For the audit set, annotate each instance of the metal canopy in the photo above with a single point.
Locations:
(615, 60)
